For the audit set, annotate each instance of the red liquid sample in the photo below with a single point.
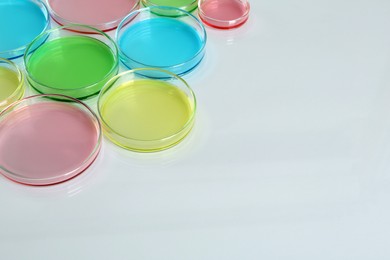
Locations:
(47, 143)
(102, 14)
(224, 14)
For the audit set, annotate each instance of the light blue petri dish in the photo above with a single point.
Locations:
(152, 38)
(20, 22)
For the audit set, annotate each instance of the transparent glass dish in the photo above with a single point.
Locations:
(146, 40)
(186, 5)
(47, 139)
(146, 115)
(224, 14)
(63, 61)
(11, 83)
(21, 21)
(101, 14)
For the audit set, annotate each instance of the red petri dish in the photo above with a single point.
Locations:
(101, 14)
(224, 14)
(47, 139)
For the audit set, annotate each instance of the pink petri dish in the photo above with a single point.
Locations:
(224, 14)
(47, 139)
(101, 14)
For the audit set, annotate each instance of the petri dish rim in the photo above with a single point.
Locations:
(107, 86)
(19, 91)
(149, 3)
(66, 27)
(74, 172)
(109, 25)
(244, 17)
(24, 47)
(146, 9)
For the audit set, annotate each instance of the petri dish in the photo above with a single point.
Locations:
(224, 14)
(11, 83)
(146, 115)
(146, 39)
(101, 14)
(62, 61)
(44, 140)
(187, 5)
(20, 22)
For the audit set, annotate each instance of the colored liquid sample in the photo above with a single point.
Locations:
(20, 22)
(92, 12)
(67, 65)
(146, 110)
(160, 42)
(47, 140)
(9, 82)
(188, 5)
(224, 13)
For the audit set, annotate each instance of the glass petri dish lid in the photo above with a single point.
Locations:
(44, 140)
(146, 115)
(146, 40)
(101, 14)
(186, 5)
(64, 61)
(11, 83)
(224, 14)
(20, 22)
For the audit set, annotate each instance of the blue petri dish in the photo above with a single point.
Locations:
(20, 22)
(152, 38)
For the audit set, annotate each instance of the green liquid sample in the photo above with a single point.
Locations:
(9, 82)
(187, 5)
(77, 66)
(147, 110)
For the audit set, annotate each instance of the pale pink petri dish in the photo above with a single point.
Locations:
(47, 139)
(224, 14)
(102, 14)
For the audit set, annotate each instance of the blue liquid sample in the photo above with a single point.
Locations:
(161, 42)
(20, 22)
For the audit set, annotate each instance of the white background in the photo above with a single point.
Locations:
(289, 158)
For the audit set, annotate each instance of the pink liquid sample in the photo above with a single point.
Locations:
(46, 143)
(102, 14)
(224, 13)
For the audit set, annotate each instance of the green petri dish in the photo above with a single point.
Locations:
(11, 83)
(62, 61)
(186, 5)
(146, 115)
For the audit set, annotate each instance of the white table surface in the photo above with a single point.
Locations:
(289, 158)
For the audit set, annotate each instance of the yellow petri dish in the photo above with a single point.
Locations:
(144, 114)
(11, 83)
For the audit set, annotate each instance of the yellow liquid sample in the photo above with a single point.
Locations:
(147, 110)
(9, 82)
